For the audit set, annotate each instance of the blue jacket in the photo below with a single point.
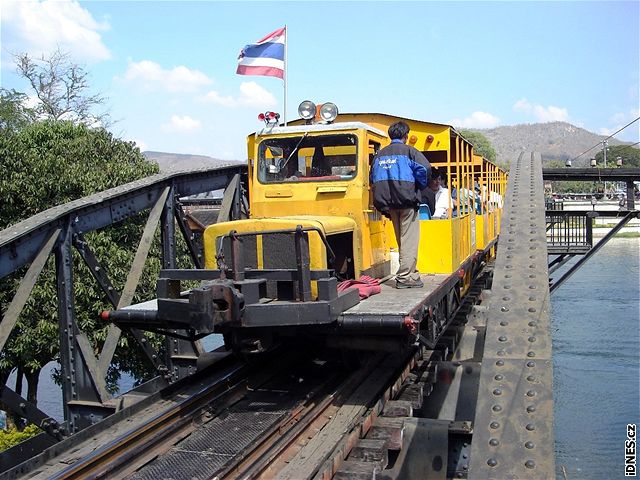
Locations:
(398, 173)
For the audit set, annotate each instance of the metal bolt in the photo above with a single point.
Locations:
(497, 391)
(496, 408)
(499, 377)
(531, 354)
(494, 425)
(529, 445)
(492, 462)
(531, 364)
(531, 409)
(494, 442)
(530, 464)
(530, 426)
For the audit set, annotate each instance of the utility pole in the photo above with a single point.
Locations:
(604, 152)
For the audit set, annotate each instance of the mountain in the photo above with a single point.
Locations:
(179, 161)
(554, 141)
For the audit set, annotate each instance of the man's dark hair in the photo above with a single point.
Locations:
(398, 131)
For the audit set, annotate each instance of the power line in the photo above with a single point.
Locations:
(600, 143)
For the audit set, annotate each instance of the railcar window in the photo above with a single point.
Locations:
(308, 158)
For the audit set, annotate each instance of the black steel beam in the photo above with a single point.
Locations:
(20, 243)
(592, 174)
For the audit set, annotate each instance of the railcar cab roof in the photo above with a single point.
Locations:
(294, 127)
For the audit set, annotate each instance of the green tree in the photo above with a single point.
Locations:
(13, 112)
(481, 144)
(45, 164)
(630, 156)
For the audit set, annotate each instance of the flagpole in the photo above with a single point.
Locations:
(285, 74)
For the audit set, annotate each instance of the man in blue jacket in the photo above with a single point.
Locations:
(398, 173)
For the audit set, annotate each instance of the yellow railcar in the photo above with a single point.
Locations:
(311, 211)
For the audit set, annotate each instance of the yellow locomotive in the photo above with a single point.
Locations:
(313, 260)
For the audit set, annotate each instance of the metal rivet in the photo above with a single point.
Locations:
(530, 464)
(531, 409)
(507, 287)
(531, 354)
(508, 275)
(499, 377)
(506, 299)
(502, 338)
(504, 309)
(500, 363)
(497, 392)
(532, 287)
(533, 299)
(494, 425)
(492, 462)
(529, 445)
(532, 339)
(531, 364)
(501, 353)
(531, 378)
(530, 426)
(496, 408)
(494, 442)
(503, 323)
(531, 393)
(531, 309)
(533, 324)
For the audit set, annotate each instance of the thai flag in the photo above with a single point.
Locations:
(265, 57)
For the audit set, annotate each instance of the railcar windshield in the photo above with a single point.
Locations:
(307, 158)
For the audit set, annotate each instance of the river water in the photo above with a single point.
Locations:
(596, 361)
(596, 344)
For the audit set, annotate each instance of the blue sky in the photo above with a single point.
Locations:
(168, 68)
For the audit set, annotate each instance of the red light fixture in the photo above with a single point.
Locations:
(269, 118)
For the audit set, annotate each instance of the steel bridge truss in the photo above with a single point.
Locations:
(570, 232)
(59, 231)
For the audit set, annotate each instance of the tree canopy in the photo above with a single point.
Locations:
(481, 144)
(49, 155)
(630, 156)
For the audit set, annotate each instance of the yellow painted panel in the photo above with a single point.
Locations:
(328, 225)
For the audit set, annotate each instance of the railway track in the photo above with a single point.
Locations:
(297, 416)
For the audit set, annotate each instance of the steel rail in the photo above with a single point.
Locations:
(114, 455)
(298, 425)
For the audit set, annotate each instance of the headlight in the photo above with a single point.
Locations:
(328, 112)
(307, 110)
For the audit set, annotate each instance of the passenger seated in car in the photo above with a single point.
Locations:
(442, 201)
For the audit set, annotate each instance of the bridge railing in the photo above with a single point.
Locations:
(569, 232)
(61, 230)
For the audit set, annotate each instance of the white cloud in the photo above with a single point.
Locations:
(152, 76)
(181, 124)
(541, 113)
(41, 27)
(620, 120)
(251, 95)
(477, 120)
